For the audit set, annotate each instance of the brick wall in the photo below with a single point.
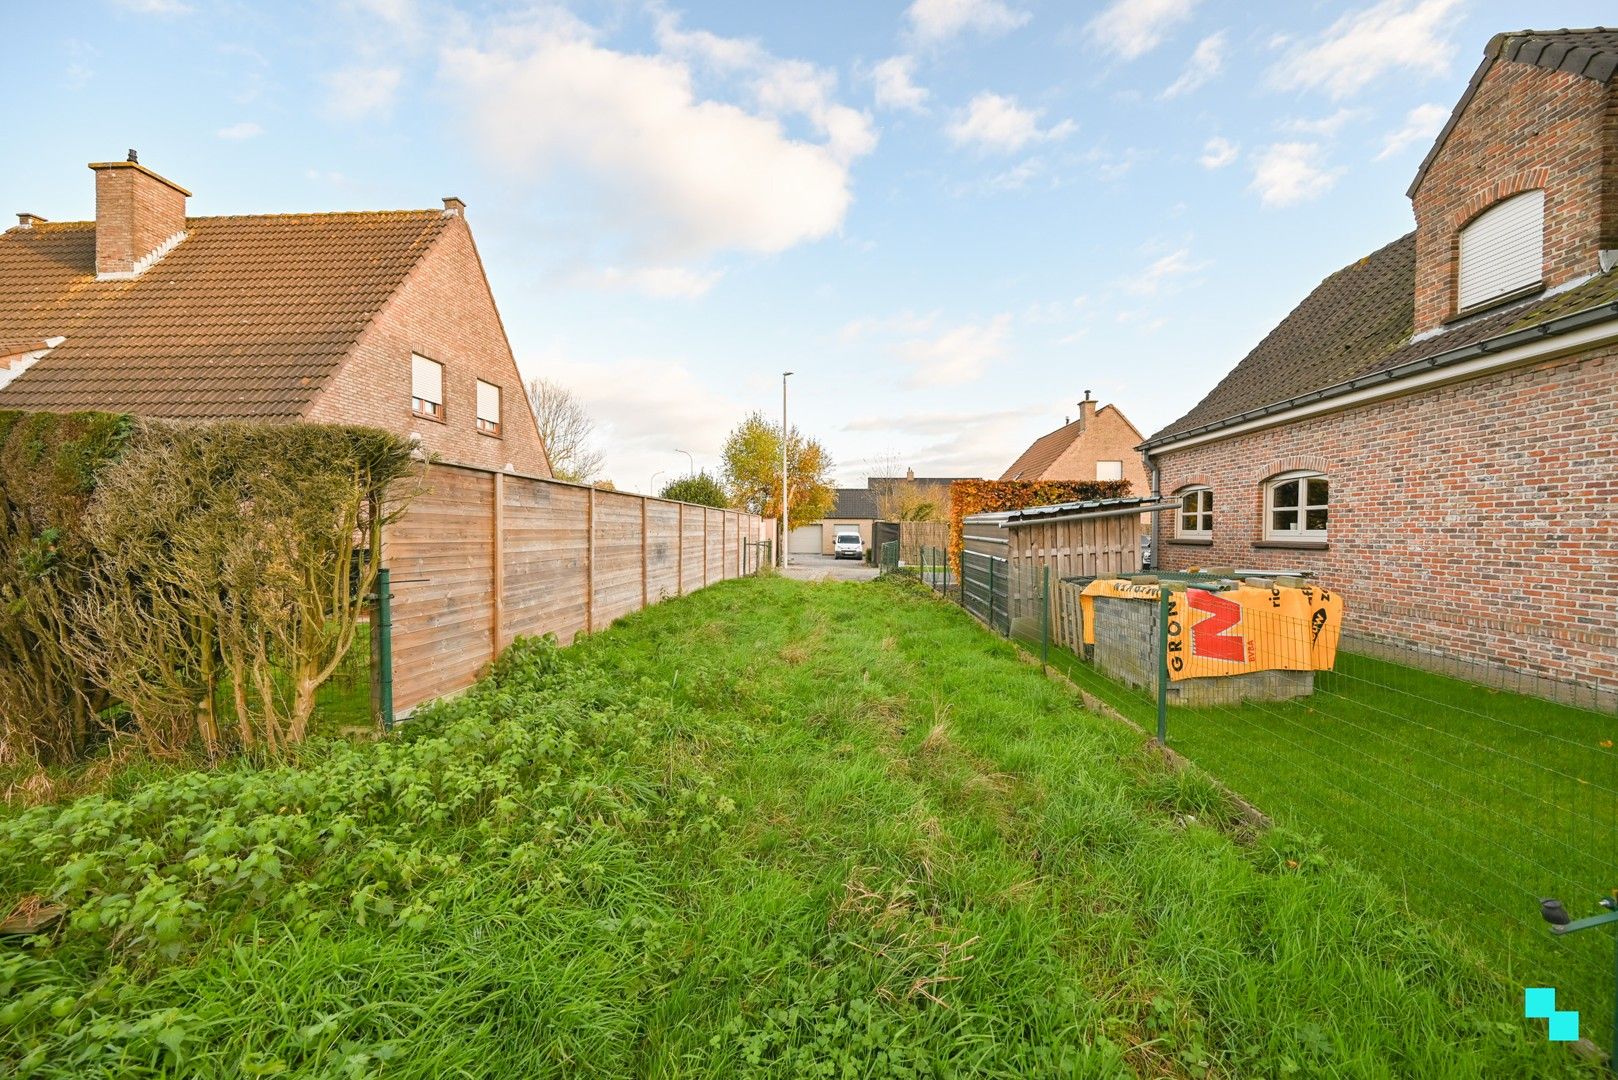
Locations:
(1108, 436)
(443, 311)
(1478, 520)
(1525, 128)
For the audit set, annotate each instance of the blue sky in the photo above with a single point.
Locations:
(949, 217)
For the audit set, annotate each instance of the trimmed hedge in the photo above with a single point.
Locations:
(150, 570)
(968, 497)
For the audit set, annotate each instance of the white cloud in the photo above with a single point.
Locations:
(1291, 172)
(1161, 273)
(958, 355)
(935, 21)
(1421, 125)
(1133, 28)
(895, 87)
(154, 7)
(1322, 127)
(996, 122)
(645, 406)
(358, 92)
(667, 282)
(956, 443)
(1363, 45)
(677, 176)
(1207, 61)
(237, 132)
(778, 87)
(1218, 152)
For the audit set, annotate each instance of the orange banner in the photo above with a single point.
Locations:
(1236, 631)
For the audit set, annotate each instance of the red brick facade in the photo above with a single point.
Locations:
(1108, 436)
(1479, 520)
(445, 312)
(1525, 127)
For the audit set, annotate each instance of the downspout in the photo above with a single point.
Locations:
(1157, 517)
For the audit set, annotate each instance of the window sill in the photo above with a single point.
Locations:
(1294, 545)
(489, 434)
(429, 417)
(1496, 302)
(1190, 541)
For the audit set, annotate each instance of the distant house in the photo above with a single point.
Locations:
(1100, 444)
(862, 507)
(1434, 429)
(377, 318)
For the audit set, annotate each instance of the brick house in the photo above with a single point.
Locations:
(1434, 429)
(1099, 444)
(376, 318)
(860, 508)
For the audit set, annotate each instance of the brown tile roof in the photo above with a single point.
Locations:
(246, 318)
(1043, 451)
(1358, 322)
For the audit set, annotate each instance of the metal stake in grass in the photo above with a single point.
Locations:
(1556, 914)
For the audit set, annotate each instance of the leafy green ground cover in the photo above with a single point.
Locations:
(1469, 802)
(774, 828)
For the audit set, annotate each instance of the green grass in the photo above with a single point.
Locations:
(1469, 802)
(773, 828)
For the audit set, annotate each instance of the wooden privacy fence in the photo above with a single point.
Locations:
(481, 557)
(915, 535)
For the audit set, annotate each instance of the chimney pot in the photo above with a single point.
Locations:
(453, 206)
(133, 157)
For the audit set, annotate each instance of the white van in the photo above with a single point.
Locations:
(847, 545)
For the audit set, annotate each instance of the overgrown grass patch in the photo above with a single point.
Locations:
(684, 848)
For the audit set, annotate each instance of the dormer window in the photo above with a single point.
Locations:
(1502, 251)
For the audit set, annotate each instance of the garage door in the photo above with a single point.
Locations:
(805, 540)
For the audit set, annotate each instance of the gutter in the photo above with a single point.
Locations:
(1532, 343)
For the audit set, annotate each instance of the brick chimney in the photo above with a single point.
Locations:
(1087, 410)
(140, 216)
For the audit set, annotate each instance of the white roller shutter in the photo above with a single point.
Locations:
(1503, 249)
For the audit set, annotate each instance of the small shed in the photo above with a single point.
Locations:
(1005, 554)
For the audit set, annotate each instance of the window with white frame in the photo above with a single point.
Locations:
(1109, 470)
(426, 387)
(1296, 505)
(488, 408)
(1195, 519)
(1502, 250)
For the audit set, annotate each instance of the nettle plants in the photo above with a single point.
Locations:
(219, 575)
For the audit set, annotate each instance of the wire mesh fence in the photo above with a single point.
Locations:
(1473, 799)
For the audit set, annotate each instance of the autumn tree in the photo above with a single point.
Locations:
(701, 488)
(567, 430)
(752, 471)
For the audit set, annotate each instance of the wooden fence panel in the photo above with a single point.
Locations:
(662, 550)
(546, 542)
(915, 535)
(691, 572)
(481, 557)
(441, 554)
(715, 541)
(617, 556)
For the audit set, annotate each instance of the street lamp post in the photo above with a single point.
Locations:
(691, 463)
(651, 488)
(786, 518)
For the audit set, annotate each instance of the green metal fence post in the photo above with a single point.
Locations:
(384, 643)
(1045, 618)
(989, 610)
(1164, 602)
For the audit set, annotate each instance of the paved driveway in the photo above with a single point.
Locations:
(821, 567)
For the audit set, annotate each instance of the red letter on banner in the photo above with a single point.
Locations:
(1208, 637)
